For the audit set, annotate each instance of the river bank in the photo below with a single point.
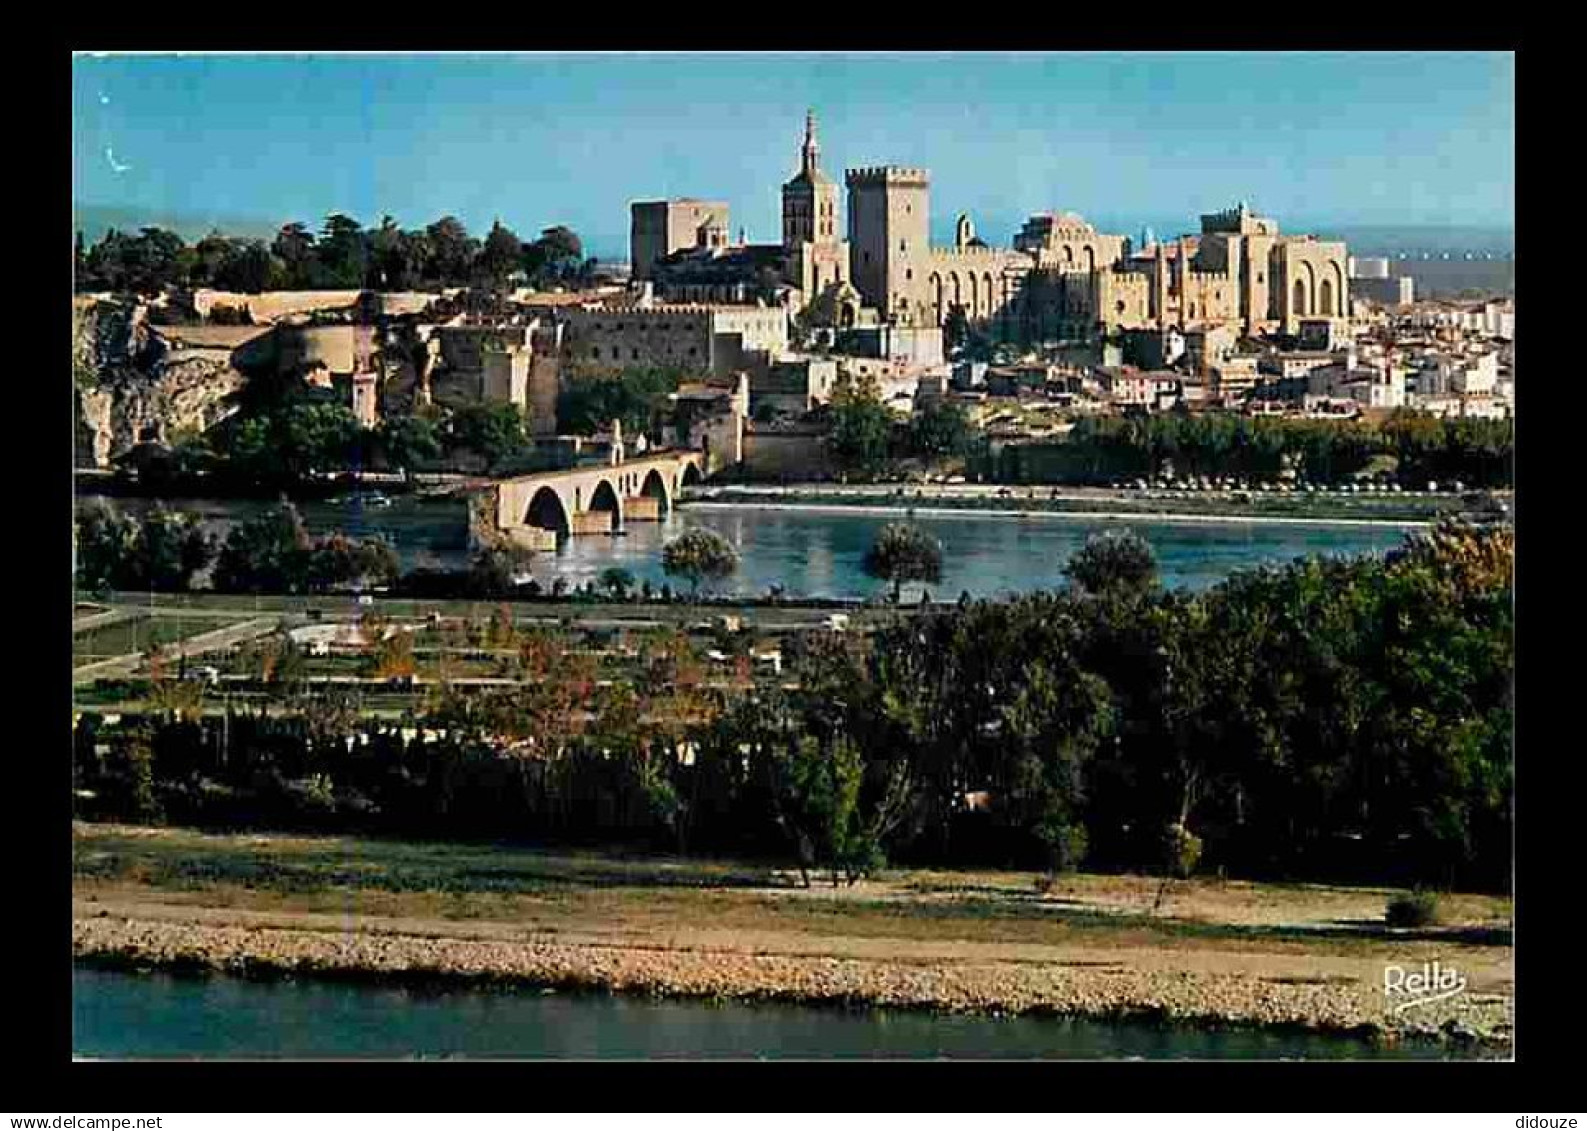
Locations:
(1301, 957)
(969, 509)
(1301, 507)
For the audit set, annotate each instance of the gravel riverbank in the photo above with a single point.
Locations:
(1093, 986)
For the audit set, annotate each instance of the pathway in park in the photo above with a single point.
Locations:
(222, 638)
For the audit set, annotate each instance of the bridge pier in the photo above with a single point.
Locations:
(642, 508)
(536, 538)
(592, 522)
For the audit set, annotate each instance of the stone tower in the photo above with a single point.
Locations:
(810, 199)
(888, 238)
(365, 399)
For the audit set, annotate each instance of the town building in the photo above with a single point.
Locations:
(810, 259)
(660, 227)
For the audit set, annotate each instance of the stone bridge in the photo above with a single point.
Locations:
(539, 510)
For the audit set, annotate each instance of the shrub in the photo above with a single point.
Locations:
(1183, 850)
(1416, 909)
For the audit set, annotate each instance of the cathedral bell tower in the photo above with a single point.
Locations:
(810, 199)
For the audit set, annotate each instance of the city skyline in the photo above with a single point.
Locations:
(1314, 139)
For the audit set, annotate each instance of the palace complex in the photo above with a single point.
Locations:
(1062, 280)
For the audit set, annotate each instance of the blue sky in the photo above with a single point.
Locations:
(1313, 139)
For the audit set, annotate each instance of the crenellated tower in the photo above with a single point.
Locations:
(889, 245)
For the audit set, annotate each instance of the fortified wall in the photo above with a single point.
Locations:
(272, 306)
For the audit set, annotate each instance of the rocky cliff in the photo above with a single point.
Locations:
(135, 385)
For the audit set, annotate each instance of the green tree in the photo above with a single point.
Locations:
(617, 582)
(904, 552)
(269, 553)
(452, 252)
(294, 247)
(387, 264)
(1113, 563)
(107, 540)
(556, 257)
(495, 431)
(639, 397)
(816, 793)
(337, 561)
(861, 425)
(343, 252)
(249, 267)
(172, 548)
(407, 442)
(699, 555)
(501, 256)
(495, 568)
(134, 786)
(940, 429)
(163, 551)
(153, 261)
(956, 330)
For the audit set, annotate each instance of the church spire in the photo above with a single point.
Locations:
(811, 150)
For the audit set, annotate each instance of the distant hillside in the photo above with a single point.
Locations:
(94, 220)
(1455, 278)
(1409, 242)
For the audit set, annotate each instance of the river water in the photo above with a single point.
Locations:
(122, 1015)
(818, 552)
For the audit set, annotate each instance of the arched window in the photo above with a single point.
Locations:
(1325, 297)
(1300, 297)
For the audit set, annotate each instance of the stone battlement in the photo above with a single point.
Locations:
(885, 175)
(670, 313)
(975, 252)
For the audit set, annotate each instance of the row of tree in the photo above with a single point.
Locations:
(343, 255)
(866, 438)
(166, 551)
(285, 446)
(639, 397)
(272, 552)
(1412, 447)
(1325, 720)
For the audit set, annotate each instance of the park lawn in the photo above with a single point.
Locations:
(136, 635)
(607, 896)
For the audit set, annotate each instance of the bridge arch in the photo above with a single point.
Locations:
(606, 497)
(548, 511)
(655, 486)
(691, 473)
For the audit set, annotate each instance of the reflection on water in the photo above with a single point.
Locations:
(819, 553)
(120, 1015)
